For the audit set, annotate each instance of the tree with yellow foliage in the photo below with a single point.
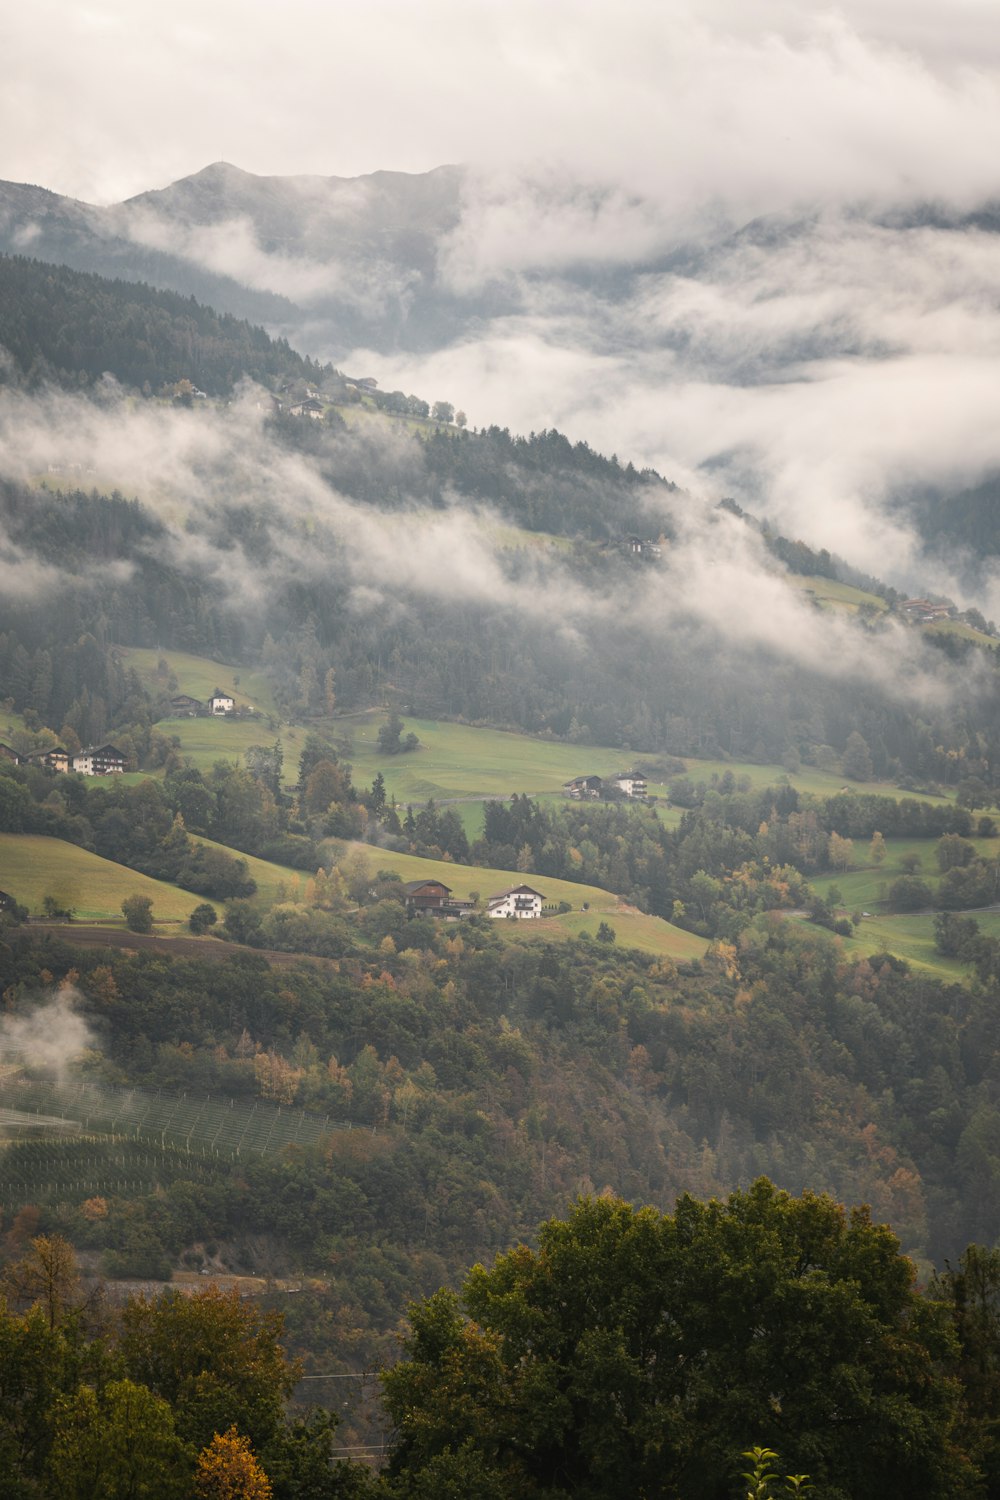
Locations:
(227, 1470)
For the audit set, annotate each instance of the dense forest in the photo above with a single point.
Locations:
(70, 328)
(497, 1081)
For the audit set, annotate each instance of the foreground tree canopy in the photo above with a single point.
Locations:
(639, 1354)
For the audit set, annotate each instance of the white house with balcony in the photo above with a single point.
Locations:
(630, 784)
(520, 902)
(99, 760)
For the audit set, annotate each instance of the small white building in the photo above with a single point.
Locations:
(520, 901)
(221, 703)
(630, 784)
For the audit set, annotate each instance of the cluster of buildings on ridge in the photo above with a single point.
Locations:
(219, 705)
(923, 612)
(96, 760)
(108, 760)
(433, 898)
(624, 784)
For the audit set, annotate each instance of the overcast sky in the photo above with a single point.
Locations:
(764, 101)
(810, 376)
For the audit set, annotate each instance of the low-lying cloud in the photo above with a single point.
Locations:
(52, 1035)
(192, 467)
(813, 368)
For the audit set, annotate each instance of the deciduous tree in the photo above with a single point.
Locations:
(636, 1353)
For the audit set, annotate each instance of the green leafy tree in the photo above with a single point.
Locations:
(761, 1478)
(45, 1277)
(33, 1362)
(953, 852)
(910, 893)
(138, 913)
(214, 1357)
(634, 1351)
(971, 1291)
(203, 917)
(118, 1444)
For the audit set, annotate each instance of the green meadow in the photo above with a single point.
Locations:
(204, 741)
(9, 722)
(964, 632)
(460, 760)
(199, 676)
(453, 761)
(907, 935)
(274, 882)
(865, 886)
(912, 938)
(633, 928)
(809, 780)
(32, 867)
(833, 595)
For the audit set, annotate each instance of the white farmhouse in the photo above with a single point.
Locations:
(630, 784)
(221, 703)
(520, 901)
(99, 760)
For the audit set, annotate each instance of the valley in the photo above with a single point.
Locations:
(773, 948)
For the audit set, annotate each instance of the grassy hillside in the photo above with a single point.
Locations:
(633, 928)
(810, 779)
(274, 882)
(10, 721)
(199, 676)
(865, 886)
(32, 867)
(454, 761)
(204, 741)
(963, 632)
(459, 760)
(831, 594)
(912, 938)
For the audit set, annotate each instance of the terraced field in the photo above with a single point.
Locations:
(69, 1142)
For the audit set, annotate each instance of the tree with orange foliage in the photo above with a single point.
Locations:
(227, 1470)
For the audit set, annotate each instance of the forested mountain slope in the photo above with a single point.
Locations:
(64, 326)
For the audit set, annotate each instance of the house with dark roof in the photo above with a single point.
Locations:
(520, 901)
(6, 753)
(310, 407)
(100, 760)
(432, 898)
(221, 703)
(584, 787)
(630, 784)
(183, 706)
(54, 759)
